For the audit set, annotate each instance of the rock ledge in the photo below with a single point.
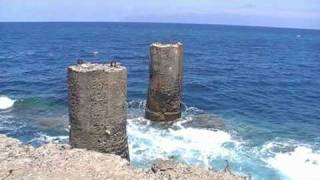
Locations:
(60, 161)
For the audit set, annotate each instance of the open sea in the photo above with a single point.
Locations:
(262, 83)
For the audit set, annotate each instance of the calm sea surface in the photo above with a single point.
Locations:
(264, 83)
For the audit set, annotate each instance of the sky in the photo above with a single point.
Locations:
(275, 13)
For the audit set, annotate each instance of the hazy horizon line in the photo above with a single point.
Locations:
(182, 23)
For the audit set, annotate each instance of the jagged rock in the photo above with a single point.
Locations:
(168, 169)
(60, 161)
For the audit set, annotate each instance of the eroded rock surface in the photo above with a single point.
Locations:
(205, 121)
(60, 161)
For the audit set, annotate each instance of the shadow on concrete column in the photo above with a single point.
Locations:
(165, 85)
(97, 107)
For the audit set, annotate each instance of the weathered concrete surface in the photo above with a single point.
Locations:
(97, 107)
(59, 161)
(165, 86)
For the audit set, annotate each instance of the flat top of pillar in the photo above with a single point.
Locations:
(88, 67)
(163, 45)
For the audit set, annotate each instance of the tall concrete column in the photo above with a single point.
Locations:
(165, 85)
(97, 107)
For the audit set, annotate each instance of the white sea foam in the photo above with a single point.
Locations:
(149, 141)
(6, 102)
(299, 164)
(194, 146)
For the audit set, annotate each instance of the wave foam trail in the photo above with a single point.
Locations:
(6, 103)
(302, 163)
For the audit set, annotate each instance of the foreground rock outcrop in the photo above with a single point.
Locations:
(60, 161)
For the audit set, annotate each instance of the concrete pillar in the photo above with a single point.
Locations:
(97, 107)
(165, 85)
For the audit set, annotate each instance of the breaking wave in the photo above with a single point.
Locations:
(178, 140)
(6, 102)
(294, 161)
(211, 147)
(193, 146)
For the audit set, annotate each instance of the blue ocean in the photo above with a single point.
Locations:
(262, 83)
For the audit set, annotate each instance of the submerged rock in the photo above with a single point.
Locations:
(205, 121)
(60, 161)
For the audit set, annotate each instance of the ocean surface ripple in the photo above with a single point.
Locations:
(251, 94)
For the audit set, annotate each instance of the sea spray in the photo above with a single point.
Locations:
(151, 140)
(6, 102)
(300, 162)
(212, 147)
(193, 146)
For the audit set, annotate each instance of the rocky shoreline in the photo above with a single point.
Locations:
(60, 161)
